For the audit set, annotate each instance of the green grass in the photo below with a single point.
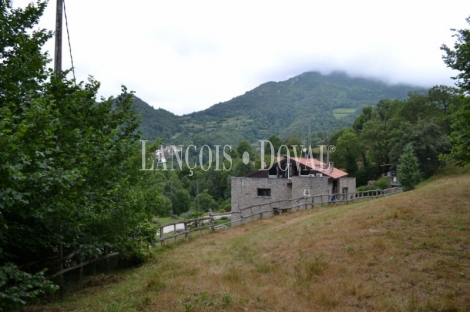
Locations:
(343, 112)
(236, 122)
(177, 134)
(168, 220)
(406, 252)
(447, 171)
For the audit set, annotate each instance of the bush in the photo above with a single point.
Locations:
(195, 214)
(382, 183)
(408, 169)
(17, 286)
(366, 188)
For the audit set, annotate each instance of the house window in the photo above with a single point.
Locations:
(273, 171)
(264, 192)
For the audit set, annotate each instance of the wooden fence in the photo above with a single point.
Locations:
(81, 263)
(190, 225)
(64, 264)
(259, 211)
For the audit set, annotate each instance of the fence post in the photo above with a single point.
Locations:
(80, 276)
(107, 259)
(60, 253)
(212, 221)
(186, 231)
(162, 241)
(174, 231)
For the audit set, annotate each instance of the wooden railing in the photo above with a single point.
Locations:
(190, 225)
(259, 211)
(61, 264)
(254, 212)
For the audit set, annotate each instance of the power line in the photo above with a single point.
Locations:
(68, 38)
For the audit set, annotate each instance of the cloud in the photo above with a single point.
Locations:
(188, 55)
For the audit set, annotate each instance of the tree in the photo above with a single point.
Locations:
(243, 147)
(182, 201)
(276, 142)
(69, 162)
(241, 170)
(204, 201)
(459, 59)
(443, 97)
(363, 118)
(379, 133)
(27, 126)
(460, 136)
(348, 149)
(408, 169)
(294, 141)
(429, 141)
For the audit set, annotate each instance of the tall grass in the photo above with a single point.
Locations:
(407, 252)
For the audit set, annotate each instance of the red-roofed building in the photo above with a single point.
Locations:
(290, 178)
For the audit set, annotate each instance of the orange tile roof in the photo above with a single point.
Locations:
(315, 164)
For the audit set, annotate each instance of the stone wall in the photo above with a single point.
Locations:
(349, 183)
(245, 193)
(309, 186)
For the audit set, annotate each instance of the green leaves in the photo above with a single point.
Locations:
(459, 59)
(460, 136)
(16, 287)
(408, 169)
(67, 162)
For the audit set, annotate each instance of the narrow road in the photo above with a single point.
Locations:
(180, 226)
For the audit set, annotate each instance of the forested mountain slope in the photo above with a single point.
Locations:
(285, 108)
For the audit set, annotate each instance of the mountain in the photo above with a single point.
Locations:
(285, 108)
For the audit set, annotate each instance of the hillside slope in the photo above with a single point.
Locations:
(285, 108)
(408, 252)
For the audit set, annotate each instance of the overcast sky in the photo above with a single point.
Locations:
(185, 56)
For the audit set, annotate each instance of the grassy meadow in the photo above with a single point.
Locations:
(407, 252)
(343, 112)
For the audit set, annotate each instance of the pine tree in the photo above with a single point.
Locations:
(408, 169)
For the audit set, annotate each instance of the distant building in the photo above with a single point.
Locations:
(170, 150)
(297, 178)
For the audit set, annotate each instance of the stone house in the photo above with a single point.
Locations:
(288, 179)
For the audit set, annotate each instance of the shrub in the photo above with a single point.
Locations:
(17, 286)
(408, 169)
(366, 188)
(195, 214)
(382, 183)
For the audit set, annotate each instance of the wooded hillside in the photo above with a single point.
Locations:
(285, 108)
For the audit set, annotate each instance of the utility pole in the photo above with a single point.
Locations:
(308, 134)
(58, 38)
